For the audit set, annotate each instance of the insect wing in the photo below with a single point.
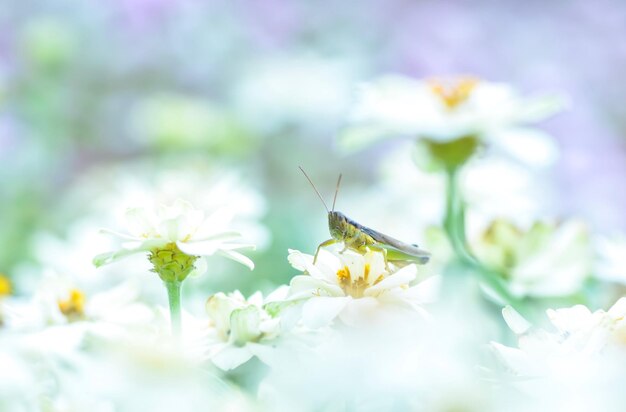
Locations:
(405, 250)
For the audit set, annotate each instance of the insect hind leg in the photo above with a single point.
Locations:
(382, 250)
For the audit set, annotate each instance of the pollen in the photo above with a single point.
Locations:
(5, 286)
(453, 92)
(355, 288)
(343, 277)
(74, 306)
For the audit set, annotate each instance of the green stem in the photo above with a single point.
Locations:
(454, 220)
(454, 225)
(173, 296)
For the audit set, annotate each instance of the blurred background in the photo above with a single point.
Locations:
(106, 104)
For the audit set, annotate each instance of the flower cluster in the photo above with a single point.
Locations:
(365, 328)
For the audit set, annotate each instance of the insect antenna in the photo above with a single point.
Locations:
(314, 188)
(336, 192)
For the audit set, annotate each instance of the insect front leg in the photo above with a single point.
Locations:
(323, 244)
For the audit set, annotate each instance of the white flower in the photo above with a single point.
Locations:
(61, 301)
(545, 260)
(240, 328)
(584, 352)
(178, 228)
(443, 110)
(18, 378)
(62, 368)
(351, 286)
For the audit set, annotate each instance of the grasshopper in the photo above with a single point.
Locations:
(360, 238)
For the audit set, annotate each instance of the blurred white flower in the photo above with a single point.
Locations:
(577, 331)
(403, 363)
(63, 368)
(18, 379)
(175, 229)
(351, 286)
(545, 260)
(208, 185)
(584, 355)
(443, 110)
(610, 262)
(240, 328)
(60, 301)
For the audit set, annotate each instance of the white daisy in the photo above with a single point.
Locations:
(175, 236)
(351, 286)
(444, 110)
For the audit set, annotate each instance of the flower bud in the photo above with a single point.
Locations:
(171, 264)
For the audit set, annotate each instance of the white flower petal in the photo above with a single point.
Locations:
(146, 244)
(140, 221)
(171, 229)
(245, 324)
(238, 257)
(200, 267)
(320, 311)
(571, 319)
(304, 286)
(218, 221)
(515, 321)
(121, 235)
(110, 257)
(265, 353)
(304, 262)
(403, 276)
(357, 311)
(278, 294)
(531, 146)
(231, 357)
(204, 248)
(517, 360)
(619, 308)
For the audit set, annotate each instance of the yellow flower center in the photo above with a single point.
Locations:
(453, 92)
(74, 306)
(355, 287)
(5, 286)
